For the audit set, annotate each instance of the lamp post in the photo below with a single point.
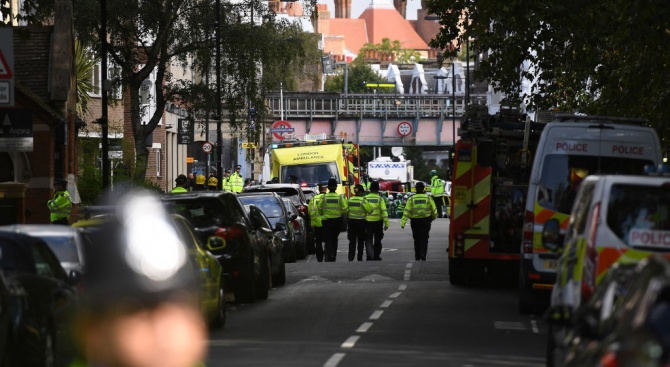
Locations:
(219, 138)
(103, 121)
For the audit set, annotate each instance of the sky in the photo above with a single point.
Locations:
(357, 7)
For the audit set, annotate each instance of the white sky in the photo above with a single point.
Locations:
(358, 6)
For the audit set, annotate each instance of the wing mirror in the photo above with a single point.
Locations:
(280, 227)
(551, 236)
(215, 244)
(75, 277)
(293, 216)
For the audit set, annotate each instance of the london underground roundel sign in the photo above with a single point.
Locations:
(281, 127)
(404, 128)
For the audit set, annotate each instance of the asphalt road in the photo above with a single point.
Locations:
(394, 312)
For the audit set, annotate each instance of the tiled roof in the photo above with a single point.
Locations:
(353, 30)
(383, 22)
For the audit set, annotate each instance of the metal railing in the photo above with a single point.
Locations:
(336, 105)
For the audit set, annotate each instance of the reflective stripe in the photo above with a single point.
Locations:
(332, 206)
(375, 208)
(356, 210)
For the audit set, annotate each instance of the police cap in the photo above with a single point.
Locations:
(420, 186)
(181, 179)
(237, 166)
(332, 183)
(374, 186)
(227, 170)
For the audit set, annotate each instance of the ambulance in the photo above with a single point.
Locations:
(570, 149)
(316, 159)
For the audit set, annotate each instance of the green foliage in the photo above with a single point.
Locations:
(358, 74)
(402, 55)
(600, 57)
(84, 67)
(89, 180)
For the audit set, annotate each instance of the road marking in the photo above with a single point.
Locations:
(409, 265)
(402, 287)
(349, 343)
(533, 325)
(394, 295)
(386, 304)
(364, 327)
(376, 315)
(509, 325)
(407, 274)
(334, 360)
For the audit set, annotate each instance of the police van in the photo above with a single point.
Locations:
(616, 219)
(570, 149)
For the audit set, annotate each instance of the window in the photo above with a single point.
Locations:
(158, 162)
(310, 174)
(639, 214)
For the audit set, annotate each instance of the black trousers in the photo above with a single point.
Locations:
(318, 243)
(420, 232)
(61, 221)
(331, 230)
(439, 203)
(356, 236)
(373, 240)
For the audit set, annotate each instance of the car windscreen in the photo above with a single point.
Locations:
(205, 213)
(64, 247)
(562, 174)
(266, 203)
(640, 215)
(310, 174)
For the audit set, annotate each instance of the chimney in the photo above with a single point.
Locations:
(401, 6)
(343, 9)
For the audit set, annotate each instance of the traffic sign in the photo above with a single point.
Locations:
(404, 128)
(6, 67)
(249, 145)
(207, 147)
(281, 127)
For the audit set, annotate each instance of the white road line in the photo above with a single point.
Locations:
(533, 325)
(349, 343)
(334, 360)
(402, 287)
(386, 304)
(394, 295)
(364, 327)
(407, 275)
(376, 315)
(409, 265)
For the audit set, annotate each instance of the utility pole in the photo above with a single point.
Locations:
(219, 139)
(104, 118)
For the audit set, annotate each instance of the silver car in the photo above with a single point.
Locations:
(299, 230)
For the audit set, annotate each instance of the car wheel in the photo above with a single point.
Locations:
(279, 279)
(245, 284)
(220, 319)
(263, 280)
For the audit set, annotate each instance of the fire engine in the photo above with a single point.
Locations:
(491, 167)
(314, 159)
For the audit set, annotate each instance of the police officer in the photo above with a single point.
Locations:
(227, 183)
(356, 227)
(212, 184)
(181, 182)
(315, 220)
(332, 208)
(365, 182)
(236, 180)
(60, 206)
(139, 309)
(437, 192)
(376, 222)
(422, 211)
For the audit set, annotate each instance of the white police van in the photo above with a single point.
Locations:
(569, 150)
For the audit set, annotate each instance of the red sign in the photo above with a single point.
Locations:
(279, 128)
(207, 147)
(404, 128)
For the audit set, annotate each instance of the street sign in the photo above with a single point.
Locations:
(184, 131)
(7, 67)
(248, 145)
(404, 128)
(207, 147)
(16, 130)
(281, 127)
(189, 159)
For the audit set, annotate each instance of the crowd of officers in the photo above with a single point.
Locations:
(231, 182)
(365, 218)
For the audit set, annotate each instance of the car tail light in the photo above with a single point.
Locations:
(296, 224)
(302, 209)
(528, 233)
(229, 233)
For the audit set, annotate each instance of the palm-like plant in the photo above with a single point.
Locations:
(84, 66)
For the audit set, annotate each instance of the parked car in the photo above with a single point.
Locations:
(7, 304)
(297, 196)
(221, 214)
(262, 225)
(639, 333)
(299, 230)
(271, 204)
(44, 299)
(309, 192)
(64, 241)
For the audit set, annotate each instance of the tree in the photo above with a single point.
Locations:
(601, 57)
(148, 36)
(402, 55)
(359, 73)
(84, 66)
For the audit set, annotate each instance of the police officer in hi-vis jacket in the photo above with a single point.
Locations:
(376, 222)
(356, 226)
(332, 208)
(422, 211)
